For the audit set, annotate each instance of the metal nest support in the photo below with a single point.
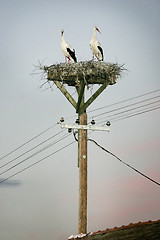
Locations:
(92, 72)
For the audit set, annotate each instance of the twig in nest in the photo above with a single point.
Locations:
(50, 87)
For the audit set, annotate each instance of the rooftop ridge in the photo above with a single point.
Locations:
(130, 226)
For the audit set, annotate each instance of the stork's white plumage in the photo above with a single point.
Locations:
(96, 46)
(68, 51)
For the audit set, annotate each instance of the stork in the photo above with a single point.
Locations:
(96, 46)
(68, 51)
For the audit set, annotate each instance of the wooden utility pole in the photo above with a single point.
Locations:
(82, 153)
(80, 75)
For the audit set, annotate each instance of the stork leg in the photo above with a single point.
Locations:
(68, 60)
(98, 56)
(65, 59)
(93, 56)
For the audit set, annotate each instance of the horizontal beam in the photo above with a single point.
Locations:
(86, 127)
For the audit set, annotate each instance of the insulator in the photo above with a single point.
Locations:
(108, 123)
(62, 119)
(77, 120)
(69, 130)
(92, 122)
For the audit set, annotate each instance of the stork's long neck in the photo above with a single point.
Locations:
(62, 37)
(94, 34)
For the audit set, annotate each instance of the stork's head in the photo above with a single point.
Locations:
(62, 31)
(96, 29)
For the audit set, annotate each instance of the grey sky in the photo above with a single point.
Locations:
(42, 202)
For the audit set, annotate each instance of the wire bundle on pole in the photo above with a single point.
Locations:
(134, 108)
(123, 112)
(7, 167)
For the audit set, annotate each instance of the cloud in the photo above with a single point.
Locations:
(9, 183)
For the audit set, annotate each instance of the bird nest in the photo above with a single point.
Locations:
(89, 71)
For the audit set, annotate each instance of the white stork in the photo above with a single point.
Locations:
(96, 46)
(68, 51)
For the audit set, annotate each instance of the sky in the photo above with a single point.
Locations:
(42, 201)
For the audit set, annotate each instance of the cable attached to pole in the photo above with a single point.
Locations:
(91, 140)
(42, 159)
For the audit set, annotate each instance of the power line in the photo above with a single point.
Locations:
(27, 142)
(38, 135)
(91, 140)
(34, 154)
(126, 100)
(31, 149)
(135, 114)
(131, 114)
(126, 106)
(36, 162)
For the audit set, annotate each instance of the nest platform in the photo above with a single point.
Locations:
(91, 72)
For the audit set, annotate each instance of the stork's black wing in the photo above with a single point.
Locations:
(101, 50)
(72, 54)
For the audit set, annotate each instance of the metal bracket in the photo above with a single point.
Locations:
(86, 127)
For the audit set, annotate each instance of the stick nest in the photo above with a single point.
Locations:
(89, 71)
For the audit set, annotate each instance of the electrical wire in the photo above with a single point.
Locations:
(115, 119)
(67, 146)
(133, 104)
(91, 140)
(38, 135)
(126, 100)
(125, 116)
(132, 109)
(37, 162)
(34, 154)
(135, 114)
(31, 149)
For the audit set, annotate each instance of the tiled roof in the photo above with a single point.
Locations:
(138, 231)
